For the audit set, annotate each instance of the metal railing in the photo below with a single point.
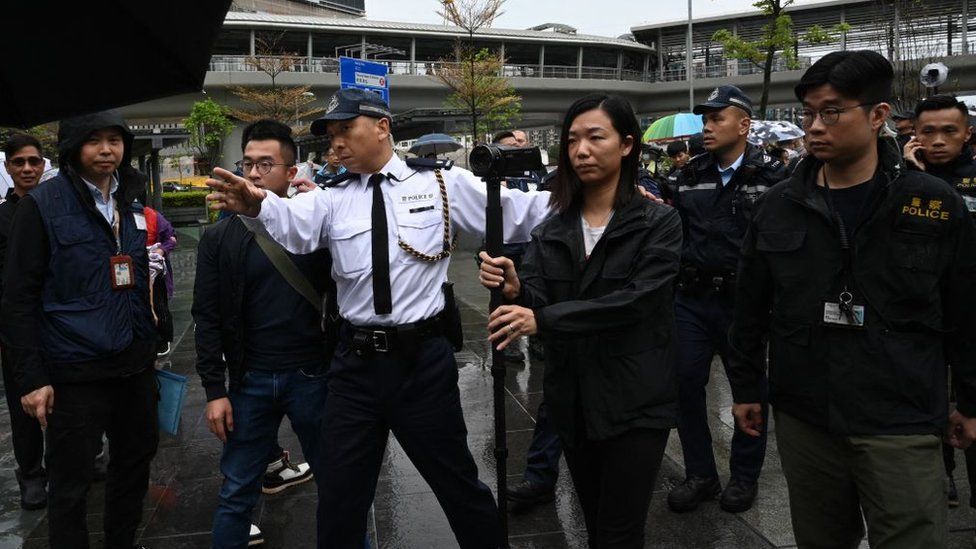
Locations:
(239, 63)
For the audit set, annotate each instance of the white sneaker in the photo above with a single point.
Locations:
(282, 474)
(257, 538)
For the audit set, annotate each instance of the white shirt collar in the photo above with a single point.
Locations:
(97, 193)
(735, 165)
(395, 167)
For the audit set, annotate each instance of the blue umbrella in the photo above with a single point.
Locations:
(434, 143)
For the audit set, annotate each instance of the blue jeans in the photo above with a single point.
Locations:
(702, 327)
(260, 402)
(542, 461)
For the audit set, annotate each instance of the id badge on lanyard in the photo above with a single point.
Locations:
(844, 312)
(121, 270)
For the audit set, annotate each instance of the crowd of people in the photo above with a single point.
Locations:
(832, 276)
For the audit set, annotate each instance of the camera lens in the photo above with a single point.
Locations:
(481, 159)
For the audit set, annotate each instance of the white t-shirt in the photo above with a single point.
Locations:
(591, 235)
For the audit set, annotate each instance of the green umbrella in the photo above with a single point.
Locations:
(674, 125)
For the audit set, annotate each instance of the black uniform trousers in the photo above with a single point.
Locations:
(124, 409)
(28, 439)
(702, 323)
(417, 398)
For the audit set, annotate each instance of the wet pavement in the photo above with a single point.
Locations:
(185, 477)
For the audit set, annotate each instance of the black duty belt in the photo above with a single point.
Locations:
(691, 277)
(384, 339)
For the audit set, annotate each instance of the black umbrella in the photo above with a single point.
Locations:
(101, 54)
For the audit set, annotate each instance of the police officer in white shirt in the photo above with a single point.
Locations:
(390, 231)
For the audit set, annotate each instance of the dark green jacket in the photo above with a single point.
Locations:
(914, 265)
(606, 322)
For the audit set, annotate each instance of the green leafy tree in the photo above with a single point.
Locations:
(46, 134)
(476, 88)
(473, 86)
(777, 36)
(208, 124)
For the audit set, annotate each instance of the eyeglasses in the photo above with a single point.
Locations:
(34, 161)
(829, 115)
(264, 166)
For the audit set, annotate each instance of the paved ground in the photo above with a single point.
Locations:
(185, 478)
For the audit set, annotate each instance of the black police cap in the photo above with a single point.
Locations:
(349, 103)
(725, 96)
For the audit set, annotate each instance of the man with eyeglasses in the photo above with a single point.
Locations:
(25, 165)
(715, 194)
(257, 324)
(858, 273)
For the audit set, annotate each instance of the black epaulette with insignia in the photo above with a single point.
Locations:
(340, 179)
(418, 163)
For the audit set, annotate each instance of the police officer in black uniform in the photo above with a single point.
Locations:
(716, 192)
(940, 147)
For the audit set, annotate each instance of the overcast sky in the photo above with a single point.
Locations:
(601, 17)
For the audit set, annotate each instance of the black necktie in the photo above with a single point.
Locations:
(382, 300)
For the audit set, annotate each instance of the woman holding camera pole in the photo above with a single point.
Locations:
(596, 283)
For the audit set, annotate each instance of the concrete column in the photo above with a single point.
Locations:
(647, 67)
(309, 52)
(157, 196)
(620, 65)
(843, 35)
(965, 27)
(732, 65)
(542, 60)
(579, 63)
(252, 42)
(660, 54)
(896, 50)
(501, 53)
(413, 55)
(362, 49)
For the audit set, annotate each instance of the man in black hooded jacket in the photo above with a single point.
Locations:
(77, 319)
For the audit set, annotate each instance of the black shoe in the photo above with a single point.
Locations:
(738, 496)
(33, 494)
(528, 493)
(953, 495)
(693, 491)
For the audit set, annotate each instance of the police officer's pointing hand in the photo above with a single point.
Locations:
(234, 194)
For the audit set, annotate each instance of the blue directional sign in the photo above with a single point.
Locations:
(365, 75)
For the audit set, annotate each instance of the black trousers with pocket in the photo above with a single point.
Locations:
(415, 397)
(614, 480)
(28, 439)
(125, 410)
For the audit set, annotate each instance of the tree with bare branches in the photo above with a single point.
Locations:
(474, 76)
(476, 88)
(289, 104)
